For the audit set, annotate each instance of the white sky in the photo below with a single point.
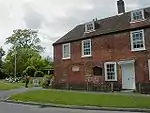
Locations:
(54, 18)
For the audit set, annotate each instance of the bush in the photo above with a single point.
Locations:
(38, 74)
(145, 88)
(30, 70)
(24, 73)
(3, 75)
(46, 81)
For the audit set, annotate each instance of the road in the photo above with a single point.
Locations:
(19, 108)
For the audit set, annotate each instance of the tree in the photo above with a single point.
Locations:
(22, 58)
(25, 50)
(2, 53)
(25, 38)
(2, 73)
(30, 70)
(37, 61)
(25, 57)
(49, 60)
(38, 74)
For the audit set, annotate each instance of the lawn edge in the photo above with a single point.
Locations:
(77, 107)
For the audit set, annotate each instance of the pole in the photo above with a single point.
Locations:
(87, 84)
(112, 86)
(15, 65)
(15, 62)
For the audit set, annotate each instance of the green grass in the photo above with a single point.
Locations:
(84, 99)
(7, 86)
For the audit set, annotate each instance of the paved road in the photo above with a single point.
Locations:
(18, 108)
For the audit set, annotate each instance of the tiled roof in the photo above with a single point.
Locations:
(109, 25)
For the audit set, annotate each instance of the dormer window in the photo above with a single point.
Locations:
(137, 15)
(89, 27)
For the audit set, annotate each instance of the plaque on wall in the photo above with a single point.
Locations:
(75, 68)
(88, 75)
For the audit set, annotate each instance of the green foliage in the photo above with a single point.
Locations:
(3, 74)
(25, 38)
(36, 61)
(49, 61)
(30, 70)
(38, 74)
(26, 45)
(24, 73)
(46, 81)
(22, 57)
(2, 69)
(25, 57)
(2, 53)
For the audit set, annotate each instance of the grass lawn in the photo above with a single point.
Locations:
(84, 99)
(8, 86)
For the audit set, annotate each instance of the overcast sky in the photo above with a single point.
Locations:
(54, 18)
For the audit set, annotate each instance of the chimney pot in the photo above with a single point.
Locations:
(121, 6)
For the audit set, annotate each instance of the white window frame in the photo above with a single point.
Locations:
(86, 27)
(83, 55)
(115, 70)
(63, 54)
(135, 11)
(149, 67)
(143, 39)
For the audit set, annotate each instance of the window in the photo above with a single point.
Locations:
(89, 27)
(137, 15)
(66, 51)
(137, 40)
(110, 71)
(97, 71)
(86, 48)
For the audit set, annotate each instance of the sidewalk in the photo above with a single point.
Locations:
(5, 94)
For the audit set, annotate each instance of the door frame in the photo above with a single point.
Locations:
(121, 63)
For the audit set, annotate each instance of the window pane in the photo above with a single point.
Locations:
(137, 15)
(87, 47)
(90, 26)
(66, 51)
(110, 71)
(137, 40)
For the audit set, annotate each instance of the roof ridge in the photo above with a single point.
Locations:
(107, 25)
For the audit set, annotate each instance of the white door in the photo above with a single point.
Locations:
(128, 76)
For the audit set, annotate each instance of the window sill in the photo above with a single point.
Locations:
(137, 21)
(86, 56)
(68, 58)
(136, 50)
(89, 31)
(111, 80)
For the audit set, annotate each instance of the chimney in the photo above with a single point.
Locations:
(121, 6)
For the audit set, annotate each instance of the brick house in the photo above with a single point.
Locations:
(114, 49)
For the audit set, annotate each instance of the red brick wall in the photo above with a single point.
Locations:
(114, 47)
